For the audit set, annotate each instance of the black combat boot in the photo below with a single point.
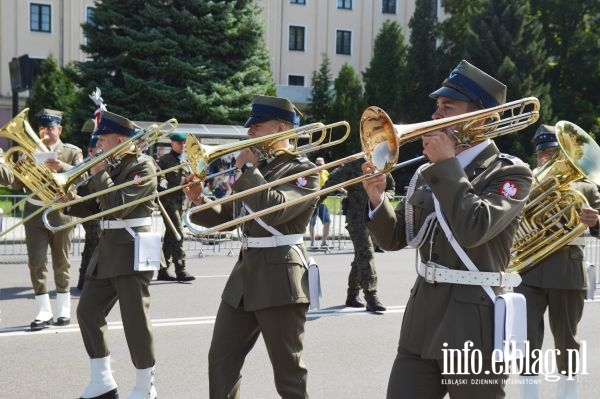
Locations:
(164, 275)
(183, 275)
(373, 304)
(353, 301)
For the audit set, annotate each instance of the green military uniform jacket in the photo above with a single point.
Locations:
(267, 277)
(565, 268)
(357, 196)
(114, 254)
(70, 156)
(483, 221)
(171, 179)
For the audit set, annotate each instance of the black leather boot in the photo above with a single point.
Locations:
(353, 301)
(164, 275)
(183, 275)
(373, 304)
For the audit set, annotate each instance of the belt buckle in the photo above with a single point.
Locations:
(244, 242)
(433, 267)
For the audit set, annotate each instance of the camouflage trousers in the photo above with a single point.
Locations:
(362, 272)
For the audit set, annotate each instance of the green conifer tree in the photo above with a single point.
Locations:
(198, 61)
(321, 98)
(383, 77)
(348, 105)
(53, 89)
(506, 42)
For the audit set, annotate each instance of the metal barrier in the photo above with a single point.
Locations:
(13, 244)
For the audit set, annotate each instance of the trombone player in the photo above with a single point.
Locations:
(480, 192)
(110, 274)
(267, 291)
(559, 282)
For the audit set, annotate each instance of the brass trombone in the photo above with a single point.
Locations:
(52, 186)
(381, 140)
(198, 156)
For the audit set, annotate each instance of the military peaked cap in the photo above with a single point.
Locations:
(469, 83)
(113, 123)
(267, 108)
(49, 118)
(545, 137)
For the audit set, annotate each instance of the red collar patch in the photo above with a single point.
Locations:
(509, 189)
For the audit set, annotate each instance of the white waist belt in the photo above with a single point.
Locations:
(577, 241)
(122, 224)
(434, 273)
(272, 241)
(36, 202)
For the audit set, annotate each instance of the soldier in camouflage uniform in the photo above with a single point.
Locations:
(362, 272)
(91, 227)
(173, 204)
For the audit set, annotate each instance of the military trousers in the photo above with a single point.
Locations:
(414, 377)
(362, 270)
(565, 308)
(173, 248)
(98, 298)
(234, 335)
(92, 238)
(38, 239)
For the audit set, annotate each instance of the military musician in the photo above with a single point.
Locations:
(481, 193)
(267, 290)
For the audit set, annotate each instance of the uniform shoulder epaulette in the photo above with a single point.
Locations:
(71, 146)
(510, 158)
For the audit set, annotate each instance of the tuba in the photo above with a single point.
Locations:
(550, 219)
(35, 176)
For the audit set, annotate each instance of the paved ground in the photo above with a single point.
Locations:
(348, 352)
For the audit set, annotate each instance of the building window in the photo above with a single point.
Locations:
(295, 80)
(39, 17)
(297, 1)
(345, 4)
(296, 38)
(388, 6)
(343, 42)
(89, 11)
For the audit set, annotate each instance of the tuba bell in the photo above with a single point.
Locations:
(551, 218)
(35, 176)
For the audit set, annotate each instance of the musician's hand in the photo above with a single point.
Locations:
(589, 217)
(70, 196)
(374, 186)
(246, 155)
(195, 190)
(439, 146)
(99, 167)
(54, 165)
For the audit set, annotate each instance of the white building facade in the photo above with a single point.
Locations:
(297, 34)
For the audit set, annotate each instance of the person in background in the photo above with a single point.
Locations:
(558, 283)
(173, 204)
(322, 210)
(39, 238)
(6, 175)
(362, 269)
